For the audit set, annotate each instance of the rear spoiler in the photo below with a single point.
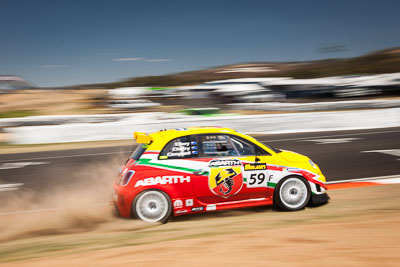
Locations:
(142, 138)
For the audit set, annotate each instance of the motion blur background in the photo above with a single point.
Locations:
(77, 78)
(98, 57)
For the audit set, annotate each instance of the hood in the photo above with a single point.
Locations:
(293, 156)
(298, 160)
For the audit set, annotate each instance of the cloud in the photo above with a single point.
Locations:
(106, 53)
(141, 59)
(128, 59)
(54, 66)
(158, 60)
(332, 48)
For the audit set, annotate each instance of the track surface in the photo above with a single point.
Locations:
(341, 155)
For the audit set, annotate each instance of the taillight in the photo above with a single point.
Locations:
(127, 177)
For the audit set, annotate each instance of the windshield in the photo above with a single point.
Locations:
(276, 150)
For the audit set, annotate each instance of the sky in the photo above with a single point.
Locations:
(62, 43)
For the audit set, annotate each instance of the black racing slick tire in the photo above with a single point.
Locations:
(152, 206)
(292, 193)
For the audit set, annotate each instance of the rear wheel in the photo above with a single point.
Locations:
(152, 206)
(292, 193)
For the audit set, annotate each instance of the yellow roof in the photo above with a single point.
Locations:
(171, 133)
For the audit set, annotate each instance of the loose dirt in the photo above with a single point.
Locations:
(359, 227)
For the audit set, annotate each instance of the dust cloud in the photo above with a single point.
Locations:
(81, 206)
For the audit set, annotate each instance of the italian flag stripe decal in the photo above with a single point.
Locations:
(152, 164)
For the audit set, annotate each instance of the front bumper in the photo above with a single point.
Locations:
(319, 199)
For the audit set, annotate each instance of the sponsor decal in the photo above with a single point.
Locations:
(198, 209)
(225, 162)
(189, 202)
(178, 154)
(255, 166)
(211, 207)
(174, 179)
(182, 149)
(181, 211)
(225, 177)
(178, 204)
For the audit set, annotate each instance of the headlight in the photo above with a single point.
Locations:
(313, 164)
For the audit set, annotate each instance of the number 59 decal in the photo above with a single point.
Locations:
(256, 179)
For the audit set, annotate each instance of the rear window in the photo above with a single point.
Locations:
(140, 149)
(180, 148)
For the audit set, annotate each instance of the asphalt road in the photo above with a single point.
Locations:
(341, 155)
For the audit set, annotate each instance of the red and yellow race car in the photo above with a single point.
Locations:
(192, 170)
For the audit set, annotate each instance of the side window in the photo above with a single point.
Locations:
(180, 148)
(247, 148)
(215, 145)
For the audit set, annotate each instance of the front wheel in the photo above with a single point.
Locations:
(152, 206)
(292, 193)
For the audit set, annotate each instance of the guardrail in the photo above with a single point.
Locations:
(147, 122)
(317, 106)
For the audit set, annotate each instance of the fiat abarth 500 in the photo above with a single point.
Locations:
(193, 170)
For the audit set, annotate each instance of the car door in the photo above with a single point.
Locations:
(225, 164)
(255, 171)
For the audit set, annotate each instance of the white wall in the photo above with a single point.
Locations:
(271, 123)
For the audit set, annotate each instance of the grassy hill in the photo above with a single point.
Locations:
(384, 61)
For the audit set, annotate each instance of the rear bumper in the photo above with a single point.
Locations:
(319, 199)
(122, 201)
